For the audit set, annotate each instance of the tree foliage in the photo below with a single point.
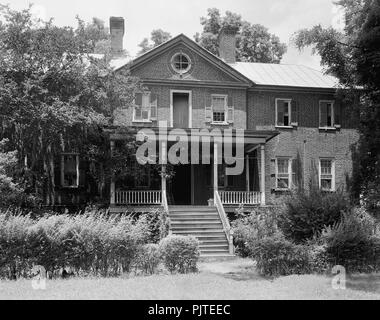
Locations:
(157, 37)
(353, 56)
(254, 43)
(55, 96)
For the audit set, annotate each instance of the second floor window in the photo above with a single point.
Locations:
(221, 110)
(145, 109)
(286, 113)
(326, 114)
(283, 173)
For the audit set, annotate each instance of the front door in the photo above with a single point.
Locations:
(181, 184)
(180, 110)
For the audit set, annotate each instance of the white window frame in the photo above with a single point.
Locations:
(63, 169)
(320, 177)
(332, 114)
(225, 96)
(289, 101)
(172, 63)
(145, 94)
(290, 174)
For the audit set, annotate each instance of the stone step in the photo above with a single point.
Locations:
(192, 226)
(201, 218)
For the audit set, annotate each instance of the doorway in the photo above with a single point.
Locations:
(181, 108)
(181, 185)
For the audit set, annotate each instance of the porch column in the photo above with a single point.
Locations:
(215, 167)
(262, 180)
(112, 186)
(163, 176)
(247, 171)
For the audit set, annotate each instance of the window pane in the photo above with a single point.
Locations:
(286, 113)
(218, 116)
(326, 166)
(137, 113)
(283, 183)
(326, 184)
(283, 166)
(218, 103)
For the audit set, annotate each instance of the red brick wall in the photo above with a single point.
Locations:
(306, 141)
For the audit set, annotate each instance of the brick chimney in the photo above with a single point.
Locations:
(117, 34)
(227, 45)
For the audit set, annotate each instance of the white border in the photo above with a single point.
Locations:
(190, 105)
(290, 112)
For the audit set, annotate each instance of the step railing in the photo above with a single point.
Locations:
(226, 224)
(138, 197)
(166, 209)
(240, 197)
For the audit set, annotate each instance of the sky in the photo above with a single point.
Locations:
(281, 17)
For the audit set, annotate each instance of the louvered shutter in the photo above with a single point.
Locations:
(280, 112)
(230, 110)
(294, 113)
(272, 173)
(153, 106)
(208, 109)
(323, 115)
(294, 173)
(138, 106)
(337, 115)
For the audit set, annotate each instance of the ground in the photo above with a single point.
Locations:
(236, 279)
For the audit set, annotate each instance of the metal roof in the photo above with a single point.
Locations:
(284, 75)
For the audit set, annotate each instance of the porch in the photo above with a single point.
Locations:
(197, 184)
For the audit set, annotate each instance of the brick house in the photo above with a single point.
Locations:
(295, 132)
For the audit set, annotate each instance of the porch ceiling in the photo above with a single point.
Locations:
(251, 137)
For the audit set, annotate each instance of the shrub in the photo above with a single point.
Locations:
(307, 213)
(158, 224)
(89, 243)
(180, 253)
(276, 256)
(148, 258)
(318, 259)
(353, 242)
(260, 223)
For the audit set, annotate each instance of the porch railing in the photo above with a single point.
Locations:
(225, 222)
(240, 197)
(138, 197)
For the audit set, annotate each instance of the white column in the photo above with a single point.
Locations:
(163, 177)
(215, 167)
(247, 171)
(112, 187)
(262, 176)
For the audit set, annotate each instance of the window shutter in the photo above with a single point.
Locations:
(294, 173)
(337, 115)
(280, 113)
(294, 113)
(323, 115)
(273, 173)
(208, 108)
(138, 99)
(208, 113)
(230, 110)
(153, 106)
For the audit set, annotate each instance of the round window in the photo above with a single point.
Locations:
(181, 62)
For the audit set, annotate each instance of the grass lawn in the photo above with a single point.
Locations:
(235, 279)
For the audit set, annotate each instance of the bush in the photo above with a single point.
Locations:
(353, 242)
(260, 223)
(158, 222)
(148, 258)
(91, 243)
(277, 256)
(307, 213)
(180, 253)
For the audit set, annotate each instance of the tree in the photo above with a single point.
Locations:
(55, 97)
(353, 56)
(253, 43)
(157, 37)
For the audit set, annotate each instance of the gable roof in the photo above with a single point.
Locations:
(182, 39)
(268, 74)
(272, 74)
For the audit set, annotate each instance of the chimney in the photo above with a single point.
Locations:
(117, 34)
(227, 45)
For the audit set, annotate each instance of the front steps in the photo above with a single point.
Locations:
(204, 223)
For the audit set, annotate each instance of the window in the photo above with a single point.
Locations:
(221, 110)
(286, 113)
(283, 173)
(145, 109)
(326, 174)
(70, 170)
(326, 114)
(181, 62)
